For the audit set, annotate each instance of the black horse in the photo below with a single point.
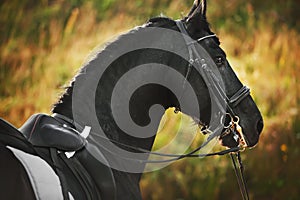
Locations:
(99, 138)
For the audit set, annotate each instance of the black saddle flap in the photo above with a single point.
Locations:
(45, 131)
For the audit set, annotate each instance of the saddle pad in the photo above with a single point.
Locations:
(44, 181)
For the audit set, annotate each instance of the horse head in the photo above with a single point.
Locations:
(246, 110)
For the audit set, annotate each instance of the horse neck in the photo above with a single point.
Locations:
(154, 94)
(64, 105)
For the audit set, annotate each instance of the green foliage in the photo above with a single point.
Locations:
(44, 42)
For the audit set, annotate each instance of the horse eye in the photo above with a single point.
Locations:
(219, 61)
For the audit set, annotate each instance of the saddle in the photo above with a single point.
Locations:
(81, 174)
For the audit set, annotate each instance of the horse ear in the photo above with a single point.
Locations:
(198, 10)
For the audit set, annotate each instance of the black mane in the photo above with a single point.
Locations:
(64, 103)
(160, 21)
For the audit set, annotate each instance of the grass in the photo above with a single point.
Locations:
(263, 46)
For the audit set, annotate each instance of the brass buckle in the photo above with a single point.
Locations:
(239, 133)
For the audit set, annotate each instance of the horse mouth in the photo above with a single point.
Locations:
(233, 138)
(228, 140)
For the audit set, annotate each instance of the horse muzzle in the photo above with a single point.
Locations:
(233, 135)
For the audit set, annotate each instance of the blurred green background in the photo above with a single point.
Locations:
(43, 43)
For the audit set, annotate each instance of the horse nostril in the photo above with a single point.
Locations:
(260, 125)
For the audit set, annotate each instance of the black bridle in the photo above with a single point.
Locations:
(219, 95)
